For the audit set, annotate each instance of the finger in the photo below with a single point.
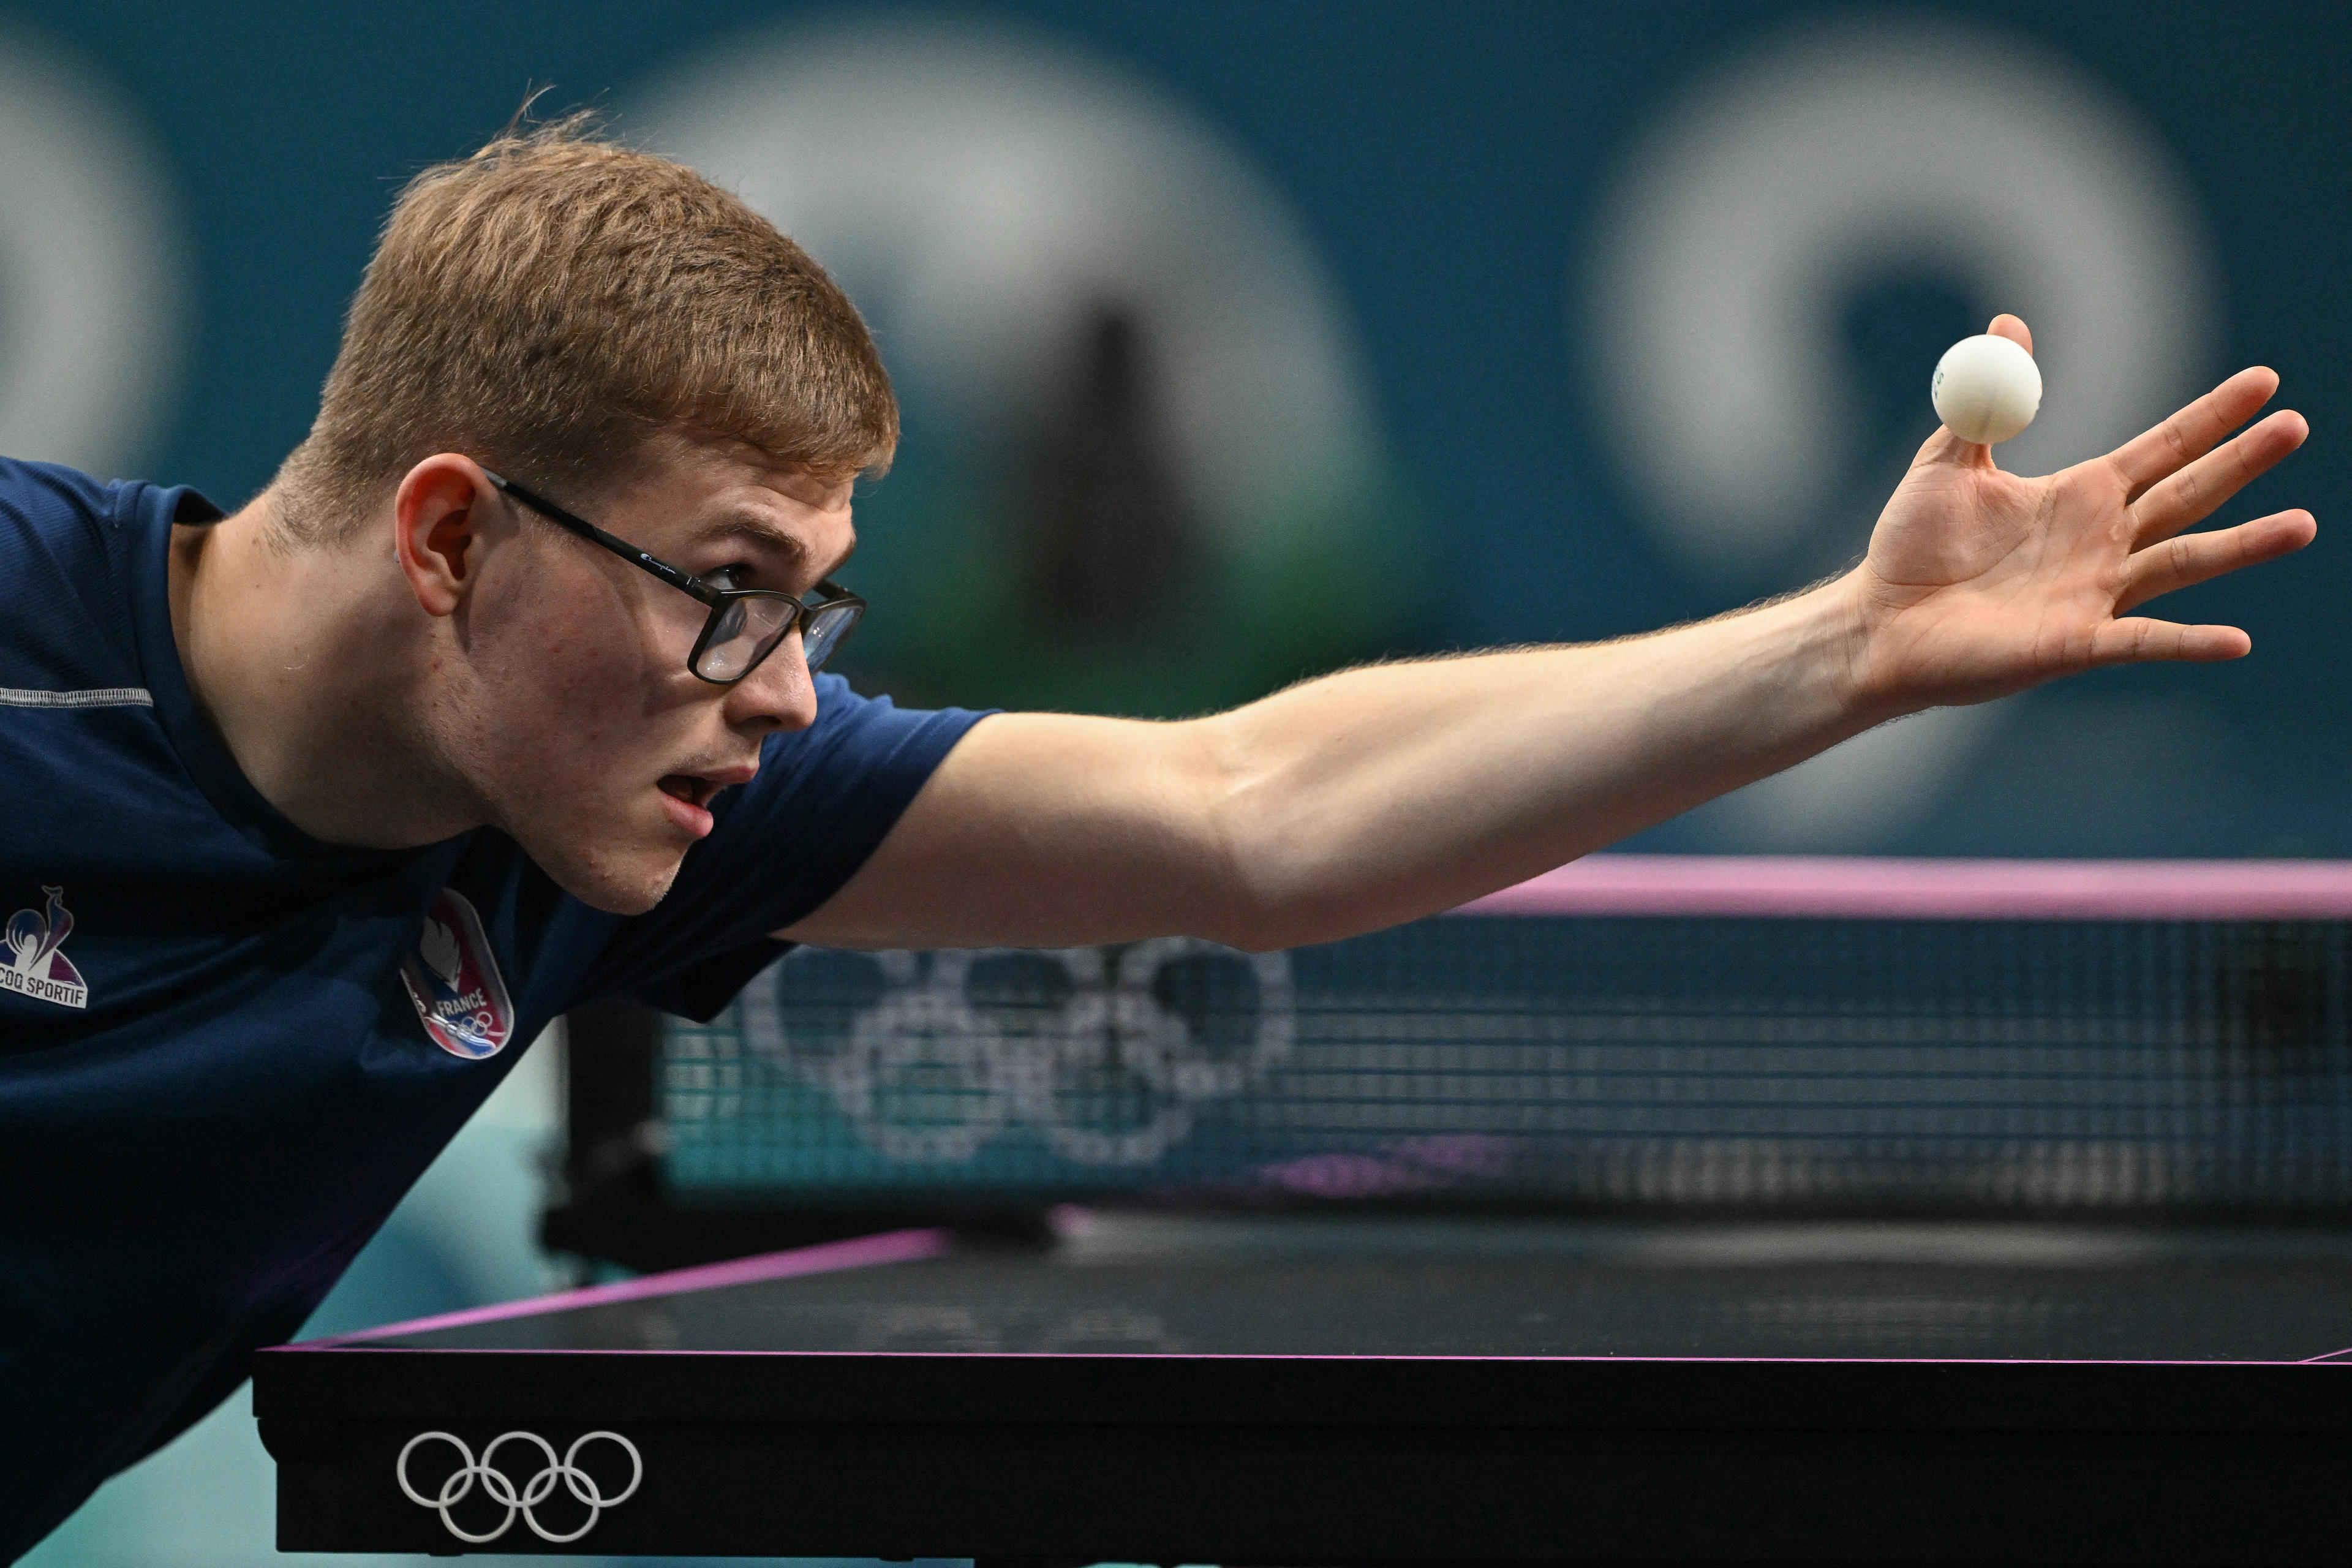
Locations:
(2194, 431)
(2190, 496)
(2143, 641)
(2195, 558)
(1945, 448)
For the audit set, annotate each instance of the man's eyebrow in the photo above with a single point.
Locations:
(750, 525)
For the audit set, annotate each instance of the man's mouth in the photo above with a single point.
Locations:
(690, 788)
(690, 794)
(689, 802)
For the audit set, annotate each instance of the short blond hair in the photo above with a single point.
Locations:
(549, 303)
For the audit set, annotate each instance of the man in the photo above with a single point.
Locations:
(501, 699)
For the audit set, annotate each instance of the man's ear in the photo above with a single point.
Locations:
(442, 514)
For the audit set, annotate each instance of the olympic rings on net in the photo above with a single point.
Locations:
(928, 1037)
(500, 1488)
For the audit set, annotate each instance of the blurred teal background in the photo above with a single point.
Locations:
(1427, 402)
(1240, 341)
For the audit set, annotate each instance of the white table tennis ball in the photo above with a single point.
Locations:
(1986, 389)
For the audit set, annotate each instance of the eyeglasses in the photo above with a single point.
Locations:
(745, 625)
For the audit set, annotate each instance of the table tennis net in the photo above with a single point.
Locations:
(1601, 1061)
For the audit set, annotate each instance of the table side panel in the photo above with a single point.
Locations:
(1344, 1495)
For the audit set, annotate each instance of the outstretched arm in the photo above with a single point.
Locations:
(1383, 793)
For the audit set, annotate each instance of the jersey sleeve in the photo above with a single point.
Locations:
(824, 799)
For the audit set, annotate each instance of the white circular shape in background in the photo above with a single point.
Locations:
(92, 296)
(1740, 222)
(1768, 188)
(978, 189)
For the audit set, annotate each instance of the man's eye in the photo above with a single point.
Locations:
(728, 577)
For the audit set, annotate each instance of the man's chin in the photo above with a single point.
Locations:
(618, 884)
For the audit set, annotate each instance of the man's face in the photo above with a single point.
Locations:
(577, 721)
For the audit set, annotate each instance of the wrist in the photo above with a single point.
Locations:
(1838, 622)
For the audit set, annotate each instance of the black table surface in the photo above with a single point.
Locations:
(1166, 1389)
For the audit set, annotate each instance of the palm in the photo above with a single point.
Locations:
(1979, 582)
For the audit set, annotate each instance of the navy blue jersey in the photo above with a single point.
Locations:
(227, 1049)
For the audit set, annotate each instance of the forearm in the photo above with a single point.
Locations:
(1384, 794)
(1350, 803)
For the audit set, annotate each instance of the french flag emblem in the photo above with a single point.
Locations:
(455, 982)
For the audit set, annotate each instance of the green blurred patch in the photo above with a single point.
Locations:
(956, 619)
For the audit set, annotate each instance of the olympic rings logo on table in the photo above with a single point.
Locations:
(500, 1488)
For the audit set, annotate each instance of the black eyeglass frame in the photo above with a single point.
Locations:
(803, 612)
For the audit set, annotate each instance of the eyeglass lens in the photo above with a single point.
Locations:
(749, 629)
(825, 630)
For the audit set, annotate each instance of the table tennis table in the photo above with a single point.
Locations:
(1285, 1389)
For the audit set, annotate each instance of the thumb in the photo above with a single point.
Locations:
(1946, 450)
(2012, 328)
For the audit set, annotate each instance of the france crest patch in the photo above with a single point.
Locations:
(455, 982)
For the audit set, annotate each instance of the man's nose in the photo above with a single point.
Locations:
(778, 695)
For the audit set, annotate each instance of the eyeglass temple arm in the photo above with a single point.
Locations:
(618, 546)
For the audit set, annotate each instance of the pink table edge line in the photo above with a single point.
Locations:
(1870, 887)
(864, 1251)
(1583, 1358)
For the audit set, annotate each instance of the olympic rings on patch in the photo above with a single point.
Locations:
(500, 1488)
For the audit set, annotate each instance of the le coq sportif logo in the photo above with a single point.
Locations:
(31, 961)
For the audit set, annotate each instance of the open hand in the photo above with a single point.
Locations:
(1979, 582)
